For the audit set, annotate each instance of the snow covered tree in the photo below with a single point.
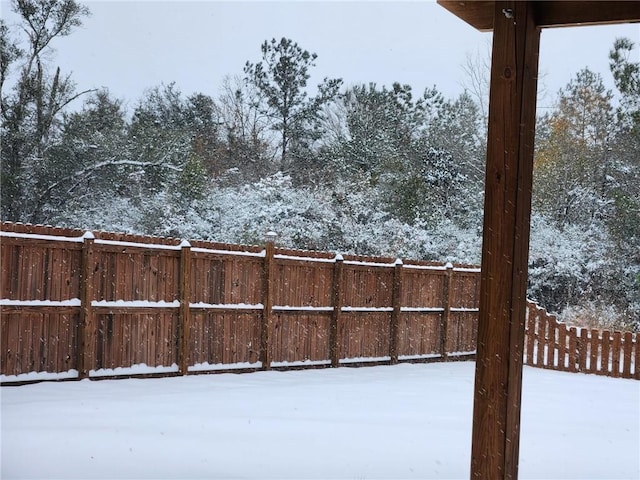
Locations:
(573, 162)
(31, 113)
(281, 77)
(247, 155)
(89, 160)
(169, 132)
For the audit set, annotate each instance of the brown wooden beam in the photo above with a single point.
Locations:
(479, 14)
(507, 211)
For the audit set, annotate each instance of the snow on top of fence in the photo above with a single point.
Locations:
(425, 267)
(228, 306)
(123, 243)
(228, 252)
(369, 264)
(305, 259)
(422, 309)
(303, 308)
(72, 302)
(135, 303)
(37, 236)
(367, 309)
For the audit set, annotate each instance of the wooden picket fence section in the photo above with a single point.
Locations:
(557, 346)
(78, 304)
(90, 304)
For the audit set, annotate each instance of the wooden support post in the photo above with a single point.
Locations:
(446, 314)
(184, 323)
(86, 327)
(267, 302)
(507, 219)
(395, 313)
(336, 301)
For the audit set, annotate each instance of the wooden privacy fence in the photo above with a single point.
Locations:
(557, 346)
(89, 304)
(94, 304)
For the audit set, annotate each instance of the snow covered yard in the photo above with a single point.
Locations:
(386, 422)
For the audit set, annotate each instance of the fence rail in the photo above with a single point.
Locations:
(93, 304)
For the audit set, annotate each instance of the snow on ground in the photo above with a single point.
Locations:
(386, 422)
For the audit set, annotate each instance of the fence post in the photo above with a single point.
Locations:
(573, 350)
(446, 303)
(336, 300)
(86, 324)
(267, 301)
(395, 314)
(184, 319)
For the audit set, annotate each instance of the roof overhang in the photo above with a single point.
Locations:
(479, 14)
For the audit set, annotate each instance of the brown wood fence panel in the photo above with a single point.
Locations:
(363, 335)
(302, 284)
(207, 279)
(130, 274)
(37, 342)
(228, 337)
(419, 334)
(127, 339)
(422, 287)
(365, 286)
(49, 269)
(300, 336)
(462, 332)
(465, 289)
(226, 279)
(554, 345)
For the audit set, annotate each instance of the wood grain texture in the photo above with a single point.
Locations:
(549, 14)
(512, 106)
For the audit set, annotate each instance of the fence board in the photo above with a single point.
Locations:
(615, 354)
(583, 348)
(626, 357)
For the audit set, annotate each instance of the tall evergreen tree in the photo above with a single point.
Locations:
(281, 77)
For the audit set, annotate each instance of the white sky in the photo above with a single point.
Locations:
(129, 46)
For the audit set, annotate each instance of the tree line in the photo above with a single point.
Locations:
(360, 168)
